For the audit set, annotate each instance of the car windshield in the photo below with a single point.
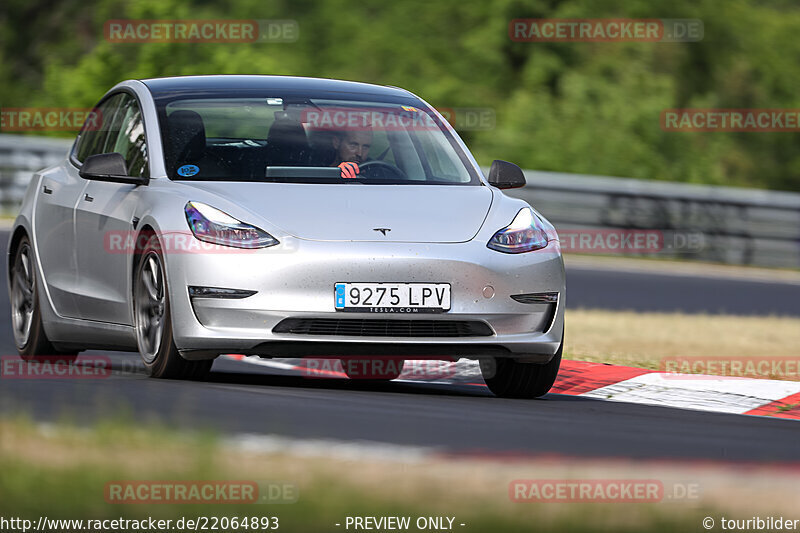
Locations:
(309, 140)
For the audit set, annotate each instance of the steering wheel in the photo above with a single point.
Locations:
(379, 169)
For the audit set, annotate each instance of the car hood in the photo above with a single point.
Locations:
(354, 212)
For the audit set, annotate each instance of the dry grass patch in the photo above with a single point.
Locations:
(476, 491)
(645, 339)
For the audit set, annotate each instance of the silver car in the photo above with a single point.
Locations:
(284, 217)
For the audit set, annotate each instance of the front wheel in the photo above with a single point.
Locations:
(507, 378)
(153, 323)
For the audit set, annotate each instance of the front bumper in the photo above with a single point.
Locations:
(296, 280)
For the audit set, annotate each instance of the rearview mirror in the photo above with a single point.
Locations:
(109, 167)
(505, 175)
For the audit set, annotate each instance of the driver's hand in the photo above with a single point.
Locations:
(349, 169)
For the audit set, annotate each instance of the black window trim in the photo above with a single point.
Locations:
(122, 90)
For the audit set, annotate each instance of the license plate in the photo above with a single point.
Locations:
(392, 297)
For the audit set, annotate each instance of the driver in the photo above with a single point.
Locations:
(351, 146)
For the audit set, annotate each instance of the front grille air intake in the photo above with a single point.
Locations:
(536, 298)
(350, 327)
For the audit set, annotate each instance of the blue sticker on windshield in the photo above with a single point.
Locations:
(188, 170)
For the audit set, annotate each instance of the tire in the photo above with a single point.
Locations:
(153, 321)
(507, 378)
(374, 369)
(26, 311)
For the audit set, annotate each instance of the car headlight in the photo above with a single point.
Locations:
(525, 234)
(209, 224)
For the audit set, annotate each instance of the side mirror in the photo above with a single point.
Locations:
(108, 167)
(505, 175)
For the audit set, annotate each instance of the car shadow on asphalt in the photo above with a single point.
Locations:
(295, 381)
(227, 372)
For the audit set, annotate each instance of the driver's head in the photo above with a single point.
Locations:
(352, 146)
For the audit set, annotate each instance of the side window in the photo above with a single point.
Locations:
(381, 147)
(405, 155)
(118, 127)
(442, 166)
(95, 132)
(127, 137)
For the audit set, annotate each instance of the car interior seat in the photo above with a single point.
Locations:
(187, 142)
(287, 144)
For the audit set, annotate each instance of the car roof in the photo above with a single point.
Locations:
(312, 87)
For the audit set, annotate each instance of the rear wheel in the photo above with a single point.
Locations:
(153, 324)
(507, 378)
(375, 369)
(26, 312)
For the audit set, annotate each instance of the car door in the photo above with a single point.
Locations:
(103, 217)
(54, 220)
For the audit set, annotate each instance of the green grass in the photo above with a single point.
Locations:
(789, 407)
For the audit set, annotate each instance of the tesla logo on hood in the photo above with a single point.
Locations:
(384, 231)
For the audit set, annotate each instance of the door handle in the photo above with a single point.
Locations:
(46, 189)
(88, 198)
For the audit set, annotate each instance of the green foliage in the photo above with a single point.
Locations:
(574, 107)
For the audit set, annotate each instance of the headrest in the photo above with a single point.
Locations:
(187, 136)
(287, 144)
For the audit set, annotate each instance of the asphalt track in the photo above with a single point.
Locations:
(243, 398)
(647, 291)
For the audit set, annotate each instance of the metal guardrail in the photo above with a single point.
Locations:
(20, 157)
(738, 226)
